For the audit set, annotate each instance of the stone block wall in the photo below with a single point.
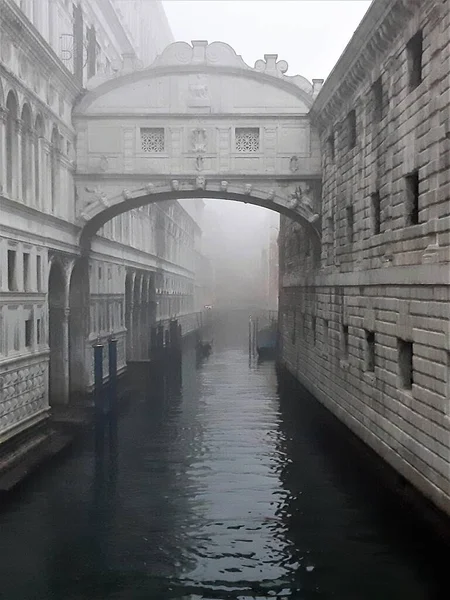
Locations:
(366, 325)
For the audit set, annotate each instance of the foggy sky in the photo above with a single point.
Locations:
(309, 34)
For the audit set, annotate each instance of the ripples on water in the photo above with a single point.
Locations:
(234, 485)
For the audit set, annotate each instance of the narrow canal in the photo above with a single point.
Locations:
(229, 481)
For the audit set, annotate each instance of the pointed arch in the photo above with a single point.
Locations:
(54, 167)
(11, 142)
(26, 152)
(39, 129)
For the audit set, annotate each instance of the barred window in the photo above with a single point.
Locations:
(247, 139)
(152, 139)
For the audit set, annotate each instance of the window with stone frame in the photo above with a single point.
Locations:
(414, 50)
(412, 198)
(405, 363)
(370, 350)
(350, 222)
(247, 139)
(12, 273)
(351, 129)
(377, 99)
(331, 147)
(344, 342)
(376, 212)
(152, 140)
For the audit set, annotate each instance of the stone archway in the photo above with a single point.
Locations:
(78, 305)
(56, 308)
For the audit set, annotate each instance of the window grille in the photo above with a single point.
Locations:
(247, 139)
(152, 140)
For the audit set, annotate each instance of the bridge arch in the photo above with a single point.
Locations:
(198, 123)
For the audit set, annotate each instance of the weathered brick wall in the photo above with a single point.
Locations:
(381, 288)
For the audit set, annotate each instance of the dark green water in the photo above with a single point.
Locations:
(228, 481)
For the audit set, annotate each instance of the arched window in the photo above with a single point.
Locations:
(11, 142)
(26, 153)
(38, 161)
(54, 166)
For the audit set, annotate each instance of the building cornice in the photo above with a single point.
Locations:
(380, 27)
(28, 37)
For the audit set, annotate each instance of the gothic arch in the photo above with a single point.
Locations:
(11, 141)
(39, 162)
(54, 167)
(26, 151)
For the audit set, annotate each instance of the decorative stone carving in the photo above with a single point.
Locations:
(150, 188)
(126, 194)
(199, 140)
(270, 65)
(104, 165)
(271, 194)
(224, 186)
(198, 91)
(22, 393)
(200, 182)
(199, 163)
(175, 184)
(294, 164)
(248, 189)
(97, 195)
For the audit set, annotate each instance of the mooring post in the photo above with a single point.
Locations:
(250, 335)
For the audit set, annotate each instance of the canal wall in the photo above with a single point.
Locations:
(365, 318)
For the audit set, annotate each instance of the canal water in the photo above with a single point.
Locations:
(227, 480)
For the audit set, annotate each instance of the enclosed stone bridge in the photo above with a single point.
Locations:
(199, 122)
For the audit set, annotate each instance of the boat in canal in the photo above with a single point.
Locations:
(266, 341)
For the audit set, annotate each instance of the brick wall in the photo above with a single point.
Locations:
(365, 325)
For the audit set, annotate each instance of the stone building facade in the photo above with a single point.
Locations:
(53, 302)
(365, 320)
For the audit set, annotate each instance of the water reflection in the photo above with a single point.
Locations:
(223, 480)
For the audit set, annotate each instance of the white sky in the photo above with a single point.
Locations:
(309, 34)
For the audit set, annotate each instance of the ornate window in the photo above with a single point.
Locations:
(247, 139)
(152, 139)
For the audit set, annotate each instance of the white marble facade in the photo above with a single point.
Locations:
(46, 326)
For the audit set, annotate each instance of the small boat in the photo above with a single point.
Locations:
(266, 342)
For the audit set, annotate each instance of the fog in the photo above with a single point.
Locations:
(310, 36)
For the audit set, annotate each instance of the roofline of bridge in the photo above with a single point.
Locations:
(90, 96)
(206, 116)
